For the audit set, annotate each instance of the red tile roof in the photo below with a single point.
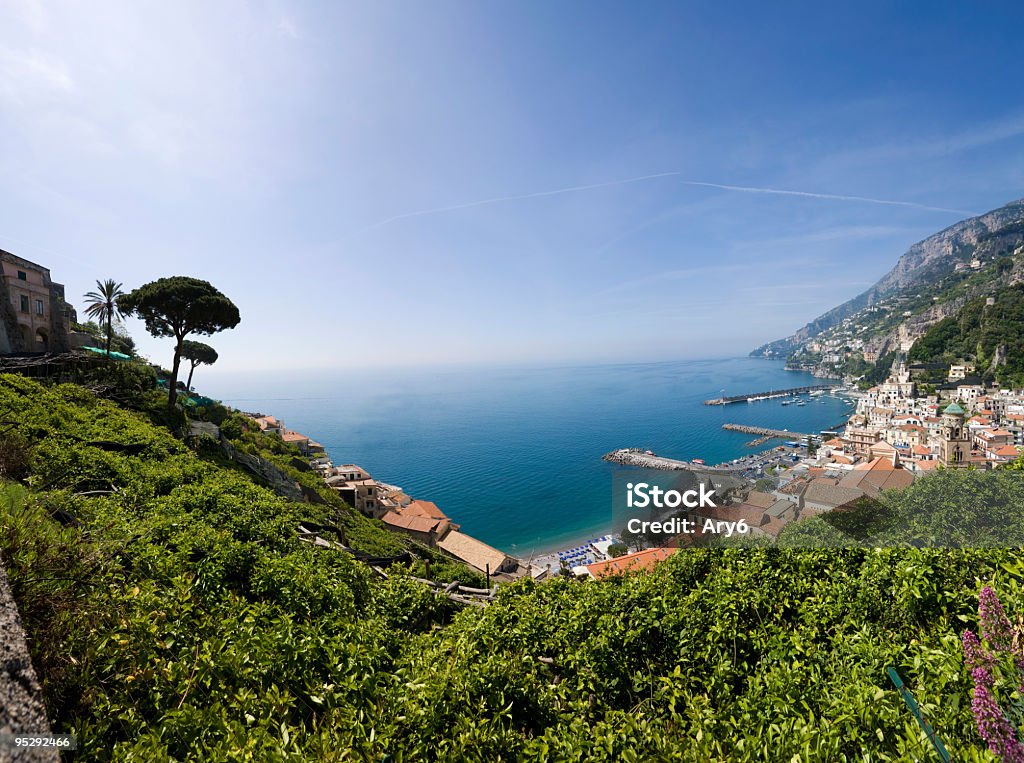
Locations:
(424, 525)
(641, 560)
(419, 508)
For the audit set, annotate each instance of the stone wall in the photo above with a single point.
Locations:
(21, 700)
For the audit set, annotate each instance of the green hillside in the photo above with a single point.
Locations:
(990, 336)
(173, 614)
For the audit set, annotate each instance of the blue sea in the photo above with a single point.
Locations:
(514, 454)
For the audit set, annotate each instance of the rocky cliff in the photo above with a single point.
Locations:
(924, 266)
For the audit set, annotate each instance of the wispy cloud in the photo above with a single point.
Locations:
(829, 196)
(660, 175)
(28, 74)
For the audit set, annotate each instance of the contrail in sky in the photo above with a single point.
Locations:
(833, 196)
(499, 199)
(641, 178)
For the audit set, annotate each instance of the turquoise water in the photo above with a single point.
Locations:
(514, 455)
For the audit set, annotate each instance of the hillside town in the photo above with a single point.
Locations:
(895, 436)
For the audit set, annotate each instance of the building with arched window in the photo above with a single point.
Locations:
(34, 316)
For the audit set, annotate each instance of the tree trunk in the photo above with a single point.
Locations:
(110, 336)
(172, 393)
(188, 384)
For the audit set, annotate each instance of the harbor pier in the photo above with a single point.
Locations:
(752, 396)
(766, 433)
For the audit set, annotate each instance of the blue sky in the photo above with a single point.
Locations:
(408, 183)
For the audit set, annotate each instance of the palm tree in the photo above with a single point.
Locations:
(102, 306)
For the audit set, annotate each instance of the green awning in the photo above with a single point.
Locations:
(100, 351)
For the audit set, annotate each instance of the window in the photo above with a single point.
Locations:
(22, 275)
(39, 307)
(24, 303)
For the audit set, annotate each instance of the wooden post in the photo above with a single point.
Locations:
(488, 576)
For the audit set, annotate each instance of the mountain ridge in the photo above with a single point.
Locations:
(965, 246)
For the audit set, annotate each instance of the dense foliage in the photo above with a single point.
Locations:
(953, 508)
(174, 614)
(988, 335)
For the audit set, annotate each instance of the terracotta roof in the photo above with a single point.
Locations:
(830, 493)
(641, 560)
(419, 508)
(425, 525)
(293, 437)
(796, 487)
(472, 551)
(927, 466)
(875, 476)
(759, 499)
(773, 526)
(1007, 450)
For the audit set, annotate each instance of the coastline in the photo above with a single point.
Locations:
(514, 457)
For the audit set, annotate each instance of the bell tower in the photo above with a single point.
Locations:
(955, 444)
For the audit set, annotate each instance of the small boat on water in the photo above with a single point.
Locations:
(786, 402)
(699, 461)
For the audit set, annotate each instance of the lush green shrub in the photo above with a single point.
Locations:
(178, 616)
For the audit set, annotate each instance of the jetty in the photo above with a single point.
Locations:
(752, 396)
(765, 433)
(648, 460)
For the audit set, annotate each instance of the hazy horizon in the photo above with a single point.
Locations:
(409, 184)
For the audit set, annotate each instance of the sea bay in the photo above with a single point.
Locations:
(514, 454)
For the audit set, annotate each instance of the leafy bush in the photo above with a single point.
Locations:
(176, 615)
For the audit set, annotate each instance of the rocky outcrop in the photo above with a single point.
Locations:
(272, 475)
(913, 328)
(925, 262)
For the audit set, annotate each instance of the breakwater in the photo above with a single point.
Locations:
(648, 460)
(752, 396)
(765, 432)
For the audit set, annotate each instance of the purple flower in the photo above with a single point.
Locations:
(995, 625)
(993, 726)
(975, 655)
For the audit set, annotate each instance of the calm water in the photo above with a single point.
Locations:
(514, 455)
